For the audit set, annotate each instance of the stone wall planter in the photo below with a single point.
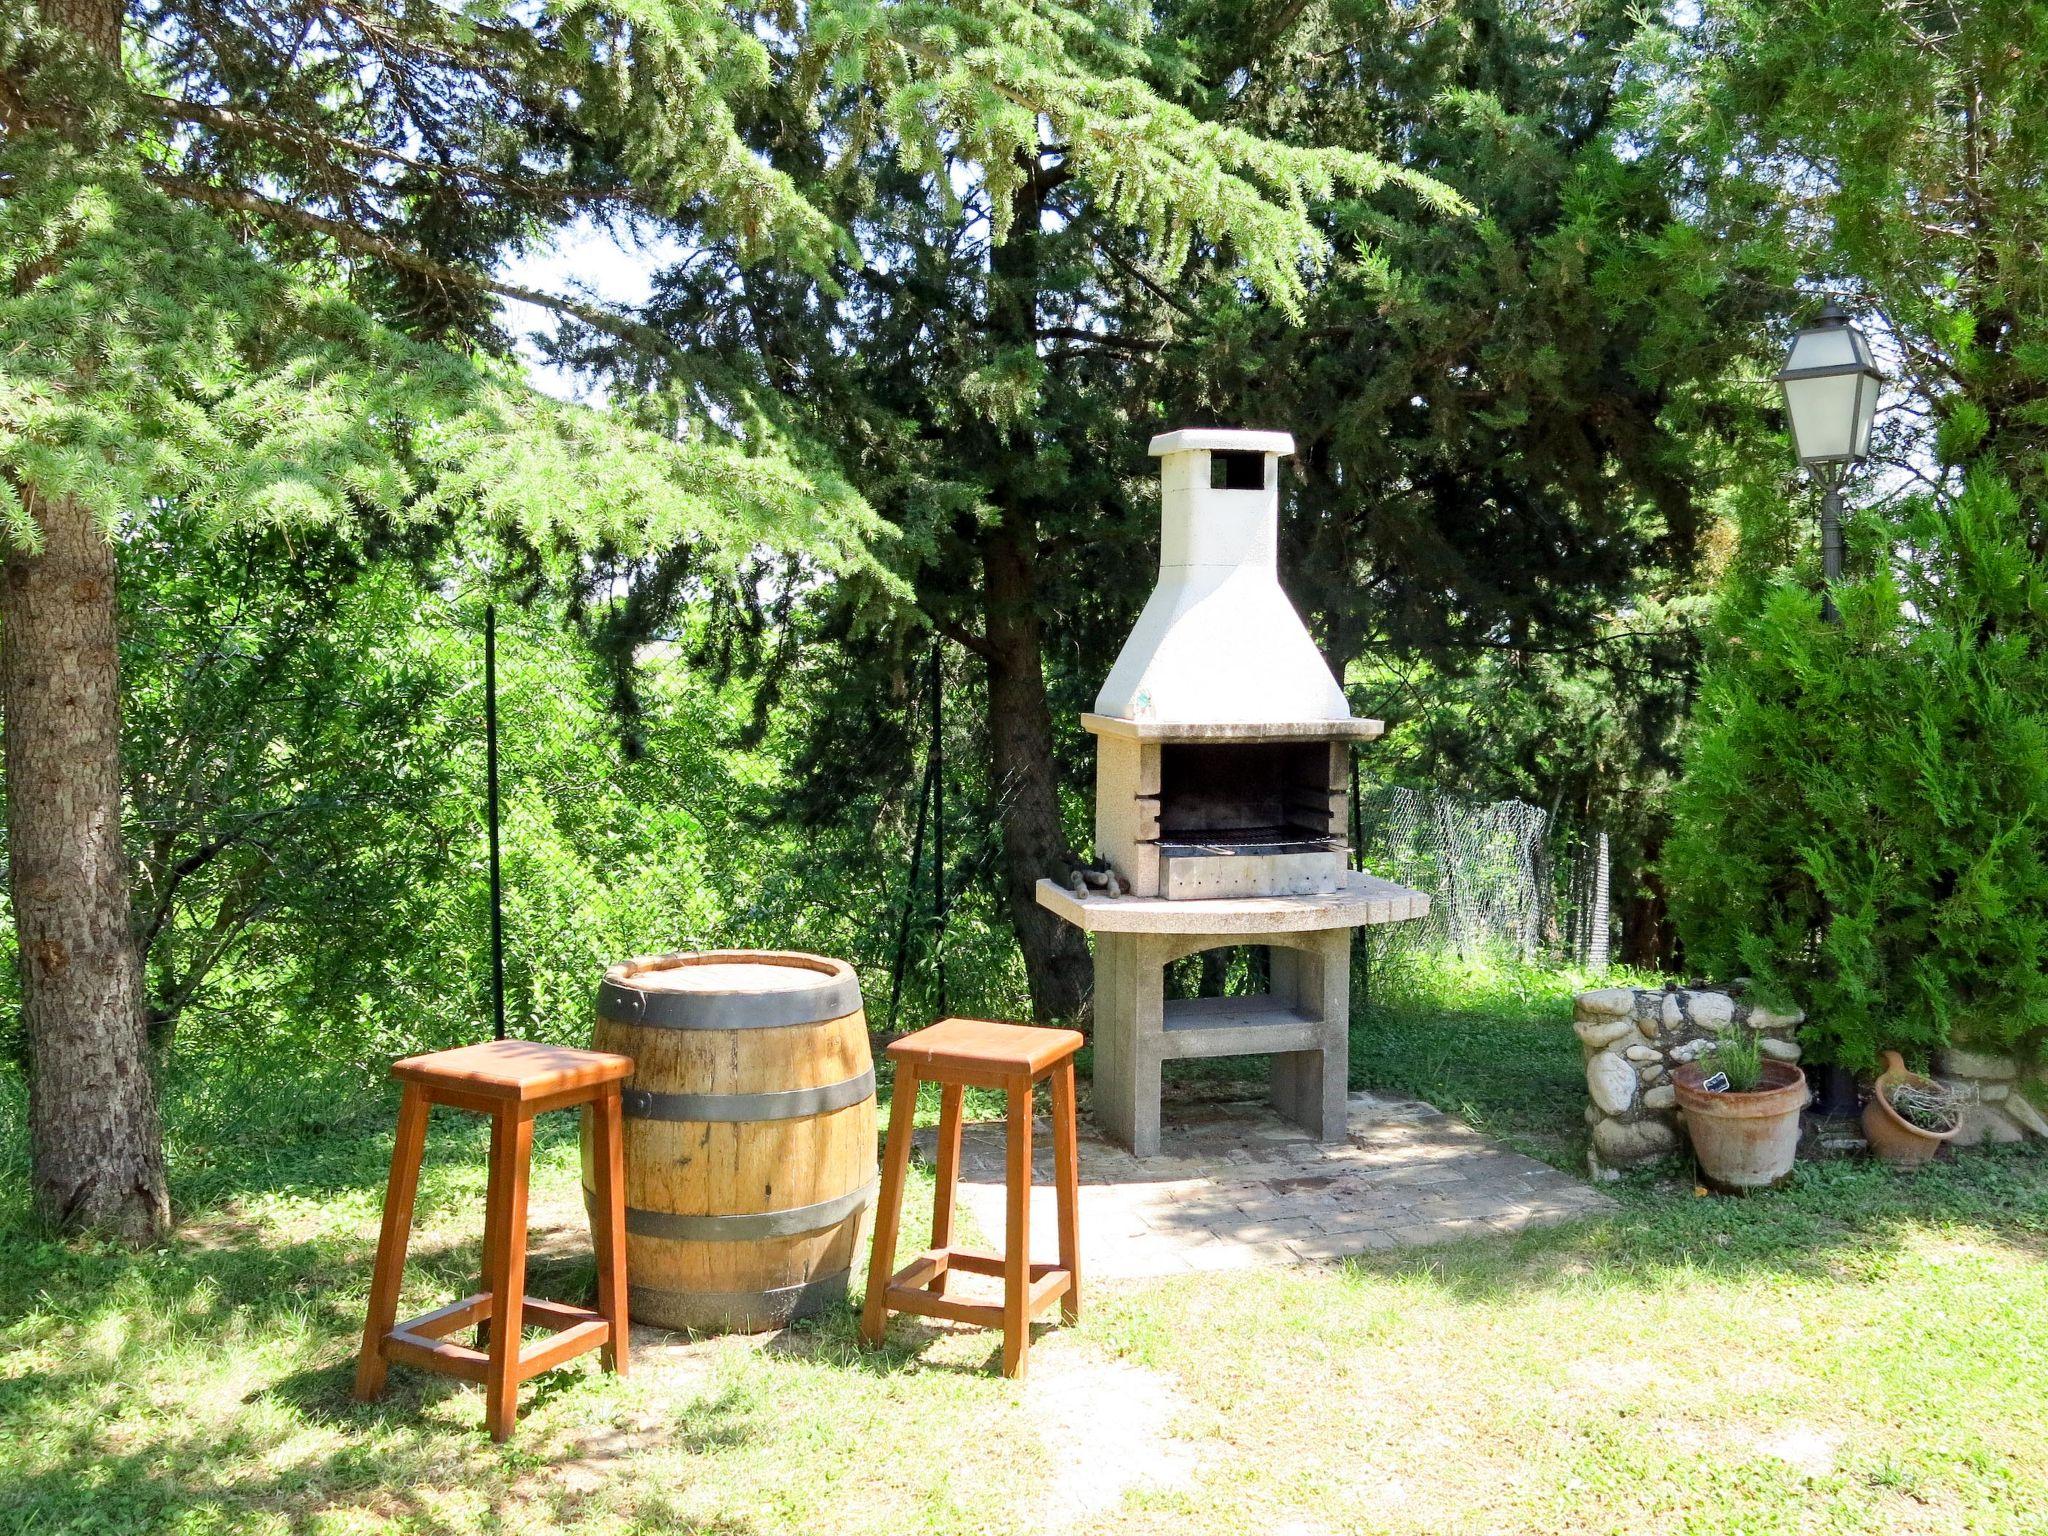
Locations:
(1632, 1039)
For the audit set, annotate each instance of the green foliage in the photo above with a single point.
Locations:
(1511, 429)
(150, 356)
(1861, 818)
(1895, 151)
(294, 753)
(1006, 76)
(304, 740)
(1859, 827)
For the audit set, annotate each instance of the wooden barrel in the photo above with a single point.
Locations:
(750, 1134)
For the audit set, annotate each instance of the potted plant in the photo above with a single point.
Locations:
(1742, 1114)
(1908, 1117)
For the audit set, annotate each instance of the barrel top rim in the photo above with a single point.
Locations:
(670, 973)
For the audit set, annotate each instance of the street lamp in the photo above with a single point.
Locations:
(1830, 385)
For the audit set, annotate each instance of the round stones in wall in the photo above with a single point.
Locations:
(1631, 1037)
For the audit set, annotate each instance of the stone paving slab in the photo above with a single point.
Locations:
(1235, 1187)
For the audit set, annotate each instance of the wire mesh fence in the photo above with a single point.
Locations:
(1500, 877)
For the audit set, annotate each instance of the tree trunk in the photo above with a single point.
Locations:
(94, 1140)
(95, 1146)
(1648, 938)
(1024, 778)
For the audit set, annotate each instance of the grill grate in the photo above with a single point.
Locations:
(1250, 842)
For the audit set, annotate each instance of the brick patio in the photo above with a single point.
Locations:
(1235, 1186)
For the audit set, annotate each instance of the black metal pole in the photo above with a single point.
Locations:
(924, 800)
(937, 773)
(1831, 545)
(1835, 1093)
(1357, 817)
(491, 815)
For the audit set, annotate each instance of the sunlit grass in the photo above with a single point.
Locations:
(1858, 1352)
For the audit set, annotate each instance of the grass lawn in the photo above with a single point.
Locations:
(1859, 1352)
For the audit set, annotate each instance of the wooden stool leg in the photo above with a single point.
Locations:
(1017, 1248)
(508, 1304)
(411, 1141)
(950, 1095)
(874, 1311)
(1066, 1161)
(494, 1195)
(608, 1222)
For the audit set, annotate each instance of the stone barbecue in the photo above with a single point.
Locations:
(1221, 800)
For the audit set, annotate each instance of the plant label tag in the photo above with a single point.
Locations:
(1718, 1083)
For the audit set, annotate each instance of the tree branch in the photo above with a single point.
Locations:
(1146, 281)
(364, 242)
(227, 120)
(967, 639)
(1097, 338)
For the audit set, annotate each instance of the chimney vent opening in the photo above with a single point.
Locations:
(1232, 469)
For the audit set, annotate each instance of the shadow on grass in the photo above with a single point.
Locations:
(96, 1447)
(91, 1453)
(399, 1473)
(1516, 1077)
(834, 1340)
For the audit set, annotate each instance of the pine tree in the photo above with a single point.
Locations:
(1510, 428)
(980, 357)
(248, 254)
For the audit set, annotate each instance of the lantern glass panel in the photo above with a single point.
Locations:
(1826, 346)
(1866, 412)
(1829, 421)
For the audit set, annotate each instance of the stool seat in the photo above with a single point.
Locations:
(985, 1047)
(511, 1081)
(958, 1054)
(518, 1070)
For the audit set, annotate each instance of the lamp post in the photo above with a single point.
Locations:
(1830, 385)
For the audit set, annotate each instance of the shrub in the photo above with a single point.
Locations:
(1862, 823)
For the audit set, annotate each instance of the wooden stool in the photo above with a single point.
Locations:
(979, 1053)
(511, 1081)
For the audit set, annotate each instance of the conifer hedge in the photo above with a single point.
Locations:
(1863, 826)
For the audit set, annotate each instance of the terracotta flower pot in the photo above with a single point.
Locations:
(1891, 1135)
(1743, 1141)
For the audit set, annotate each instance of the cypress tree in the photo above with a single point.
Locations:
(1859, 825)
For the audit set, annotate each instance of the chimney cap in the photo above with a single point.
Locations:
(1220, 440)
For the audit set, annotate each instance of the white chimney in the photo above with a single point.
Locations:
(1218, 642)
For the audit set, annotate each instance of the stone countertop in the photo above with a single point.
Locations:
(1353, 728)
(1366, 900)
